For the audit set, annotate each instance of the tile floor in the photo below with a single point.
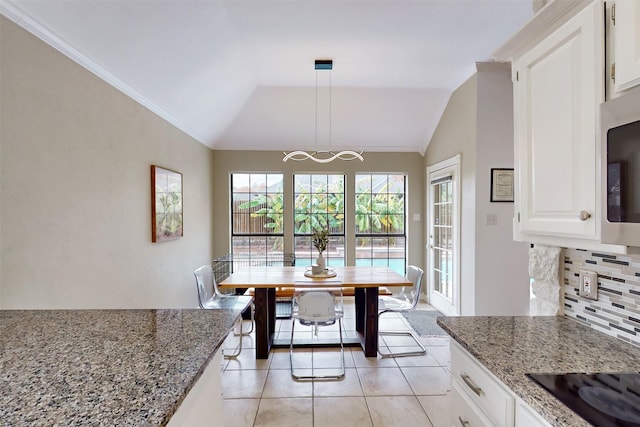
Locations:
(404, 391)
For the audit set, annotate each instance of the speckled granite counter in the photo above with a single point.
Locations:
(510, 347)
(103, 367)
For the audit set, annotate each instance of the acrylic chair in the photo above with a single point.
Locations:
(404, 300)
(209, 297)
(316, 306)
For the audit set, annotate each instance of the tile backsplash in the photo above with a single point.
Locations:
(617, 310)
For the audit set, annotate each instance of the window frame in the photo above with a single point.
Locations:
(251, 234)
(336, 239)
(381, 235)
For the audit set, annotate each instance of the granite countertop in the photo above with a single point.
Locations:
(103, 367)
(510, 347)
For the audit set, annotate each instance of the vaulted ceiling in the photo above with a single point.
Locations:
(240, 74)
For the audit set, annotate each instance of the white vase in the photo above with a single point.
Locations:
(320, 262)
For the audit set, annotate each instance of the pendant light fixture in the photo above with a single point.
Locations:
(324, 156)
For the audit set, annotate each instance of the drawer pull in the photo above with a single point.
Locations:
(477, 390)
(463, 423)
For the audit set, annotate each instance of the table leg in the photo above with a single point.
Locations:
(360, 309)
(371, 322)
(265, 319)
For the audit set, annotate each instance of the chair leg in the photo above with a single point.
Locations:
(250, 330)
(237, 353)
(337, 376)
(420, 352)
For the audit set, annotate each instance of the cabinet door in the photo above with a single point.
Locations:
(527, 417)
(627, 44)
(558, 86)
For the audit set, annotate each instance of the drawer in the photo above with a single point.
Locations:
(464, 413)
(491, 396)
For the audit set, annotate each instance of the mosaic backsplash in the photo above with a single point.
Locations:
(617, 311)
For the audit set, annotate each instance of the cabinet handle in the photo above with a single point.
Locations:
(477, 390)
(463, 423)
(584, 215)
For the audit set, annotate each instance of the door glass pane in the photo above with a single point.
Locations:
(443, 238)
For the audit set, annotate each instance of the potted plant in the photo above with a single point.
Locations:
(320, 240)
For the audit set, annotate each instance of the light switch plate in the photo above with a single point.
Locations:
(588, 284)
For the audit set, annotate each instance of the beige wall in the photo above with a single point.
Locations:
(227, 162)
(478, 124)
(75, 200)
(456, 134)
(501, 264)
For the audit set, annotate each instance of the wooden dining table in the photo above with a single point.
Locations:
(365, 280)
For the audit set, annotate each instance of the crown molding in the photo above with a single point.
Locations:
(547, 20)
(22, 19)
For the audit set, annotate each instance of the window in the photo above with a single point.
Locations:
(380, 221)
(257, 229)
(318, 203)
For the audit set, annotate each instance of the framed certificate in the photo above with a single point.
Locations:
(502, 186)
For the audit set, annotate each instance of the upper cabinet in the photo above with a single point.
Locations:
(625, 25)
(558, 86)
(559, 79)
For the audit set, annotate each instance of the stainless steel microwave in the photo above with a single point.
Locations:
(620, 170)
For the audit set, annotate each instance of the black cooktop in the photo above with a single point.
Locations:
(601, 399)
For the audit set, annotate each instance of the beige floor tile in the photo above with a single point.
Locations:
(361, 361)
(403, 391)
(240, 412)
(424, 360)
(437, 409)
(383, 382)
(387, 324)
(442, 355)
(301, 356)
(232, 341)
(428, 380)
(243, 384)
(347, 386)
(435, 341)
(399, 340)
(280, 383)
(285, 413)
(330, 358)
(341, 411)
(397, 411)
(247, 360)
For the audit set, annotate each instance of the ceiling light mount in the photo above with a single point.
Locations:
(323, 156)
(324, 64)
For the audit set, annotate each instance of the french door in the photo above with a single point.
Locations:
(444, 236)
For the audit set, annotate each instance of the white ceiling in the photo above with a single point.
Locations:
(240, 74)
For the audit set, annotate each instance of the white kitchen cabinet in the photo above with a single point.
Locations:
(559, 84)
(527, 417)
(464, 412)
(489, 397)
(203, 405)
(626, 28)
(478, 398)
(559, 79)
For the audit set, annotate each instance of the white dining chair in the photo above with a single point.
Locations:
(403, 300)
(317, 306)
(209, 297)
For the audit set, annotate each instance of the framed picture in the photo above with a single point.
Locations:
(166, 204)
(502, 186)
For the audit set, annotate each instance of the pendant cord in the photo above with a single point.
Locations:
(316, 141)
